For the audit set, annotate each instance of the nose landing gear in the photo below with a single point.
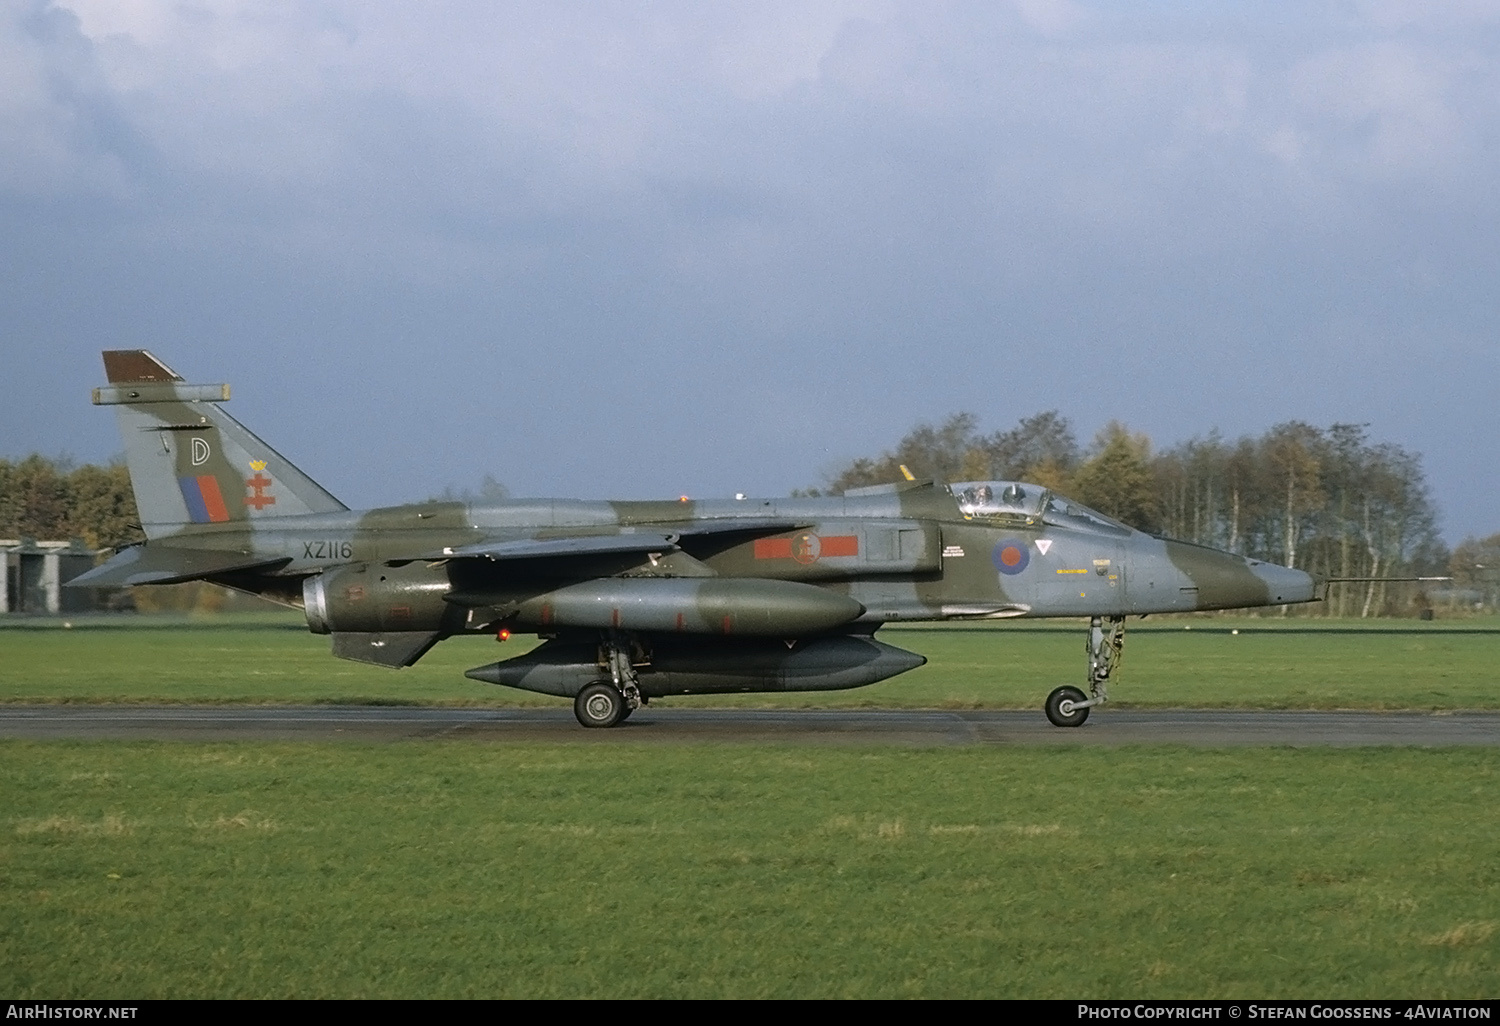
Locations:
(1067, 706)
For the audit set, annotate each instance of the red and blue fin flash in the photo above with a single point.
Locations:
(205, 502)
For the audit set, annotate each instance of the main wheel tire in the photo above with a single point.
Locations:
(1062, 707)
(599, 705)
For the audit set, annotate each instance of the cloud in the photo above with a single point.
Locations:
(1386, 110)
(441, 113)
(61, 130)
(819, 221)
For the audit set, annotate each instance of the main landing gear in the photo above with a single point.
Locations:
(1067, 706)
(609, 703)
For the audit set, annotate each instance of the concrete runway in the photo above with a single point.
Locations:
(1200, 728)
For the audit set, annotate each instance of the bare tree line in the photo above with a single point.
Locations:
(1328, 500)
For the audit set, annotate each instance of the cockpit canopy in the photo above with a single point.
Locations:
(1028, 503)
(998, 498)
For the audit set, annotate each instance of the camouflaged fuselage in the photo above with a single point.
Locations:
(903, 555)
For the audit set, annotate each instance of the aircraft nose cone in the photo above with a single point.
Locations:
(1224, 580)
(1283, 584)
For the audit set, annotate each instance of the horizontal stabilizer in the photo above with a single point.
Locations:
(157, 564)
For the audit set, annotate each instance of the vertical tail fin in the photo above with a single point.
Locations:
(192, 463)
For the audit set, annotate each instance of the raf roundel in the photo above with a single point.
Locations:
(1011, 556)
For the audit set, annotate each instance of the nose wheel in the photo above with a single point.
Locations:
(1065, 707)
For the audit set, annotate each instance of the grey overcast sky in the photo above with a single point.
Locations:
(627, 250)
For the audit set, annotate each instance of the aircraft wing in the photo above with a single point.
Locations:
(159, 564)
(545, 548)
(747, 525)
(664, 540)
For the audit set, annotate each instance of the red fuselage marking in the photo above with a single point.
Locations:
(773, 548)
(840, 545)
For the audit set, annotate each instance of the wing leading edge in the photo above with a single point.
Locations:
(659, 541)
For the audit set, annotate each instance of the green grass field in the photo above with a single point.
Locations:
(462, 869)
(1197, 662)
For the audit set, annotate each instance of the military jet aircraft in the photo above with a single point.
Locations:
(636, 600)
